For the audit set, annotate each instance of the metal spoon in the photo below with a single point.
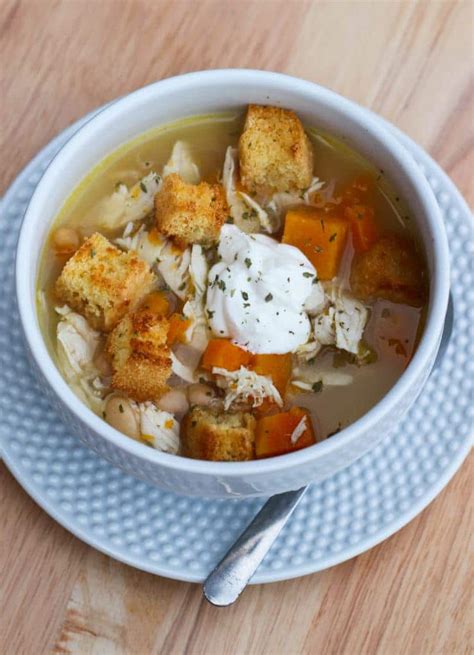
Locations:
(230, 577)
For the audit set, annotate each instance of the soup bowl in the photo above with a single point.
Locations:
(203, 93)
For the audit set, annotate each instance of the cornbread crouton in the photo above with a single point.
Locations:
(209, 434)
(140, 356)
(190, 213)
(103, 283)
(390, 269)
(275, 153)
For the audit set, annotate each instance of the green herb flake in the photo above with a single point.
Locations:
(221, 285)
(268, 297)
(307, 274)
(210, 313)
(182, 286)
(121, 409)
(333, 237)
(245, 295)
(317, 386)
(248, 262)
(143, 187)
(93, 253)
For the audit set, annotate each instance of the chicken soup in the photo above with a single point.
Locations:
(232, 287)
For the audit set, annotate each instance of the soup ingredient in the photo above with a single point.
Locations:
(208, 434)
(121, 413)
(201, 394)
(178, 327)
(276, 367)
(175, 402)
(275, 153)
(246, 387)
(77, 345)
(194, 309)
(103, 283)
(282, 200)
(320, 236)
(257, 292)
(363, 227)
(190, 213)
(222, 353)
(390, 269)
(283, 433)
(160, 303)
(140, 356)
(128, 205)
(342, 322)
(244, 217)
(66, 240)
(143, 422)
(159, 429)
(182, 163)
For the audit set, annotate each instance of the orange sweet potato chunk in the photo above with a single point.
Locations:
(321, 236)
(278, 367)
(157, 303)
(222, 353)
(273, 433)
(177, 329)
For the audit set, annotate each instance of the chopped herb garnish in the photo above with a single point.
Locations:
(143, 187)
(317, 386)
(248, 262)
(316, 280)
(92, 252)
(268, 297)
(210, 313)
(245, 295)
(232, 292)
(182, 286)
(318, 249)
(333, 237)
(246, 304)
(322, 225)
(307, 274)
(121, 409)
(221, 285)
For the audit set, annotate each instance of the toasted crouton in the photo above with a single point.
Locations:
(212, 435)
(275, 153)
(140, 355)
(103, 283)
(390, 269)
(190, 213)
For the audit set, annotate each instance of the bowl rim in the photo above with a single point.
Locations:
(436, 307)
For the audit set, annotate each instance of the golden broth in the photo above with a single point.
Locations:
(392, 329)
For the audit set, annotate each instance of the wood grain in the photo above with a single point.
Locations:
(413, 63)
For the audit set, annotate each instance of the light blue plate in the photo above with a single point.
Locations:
(183, 538)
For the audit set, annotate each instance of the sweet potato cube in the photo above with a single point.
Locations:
(278, 367)
(319, 235)
(363, 227)
(222, 353)
(280, 433)
(177, 330)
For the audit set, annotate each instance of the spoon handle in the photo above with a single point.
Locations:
(231, 575)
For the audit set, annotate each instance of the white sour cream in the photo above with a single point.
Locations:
(256, 293)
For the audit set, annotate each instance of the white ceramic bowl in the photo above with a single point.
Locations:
(208, 92)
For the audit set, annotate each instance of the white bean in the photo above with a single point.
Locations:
(174, 402)
(120, 415)
(201, 394)
(66, 240)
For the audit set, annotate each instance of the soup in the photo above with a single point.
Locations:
(232, 287)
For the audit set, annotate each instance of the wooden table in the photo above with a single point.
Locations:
(412, 63)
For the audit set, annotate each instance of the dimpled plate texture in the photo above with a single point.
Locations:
(183, 538)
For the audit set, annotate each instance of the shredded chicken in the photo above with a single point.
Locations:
(158, 428)
(243, 217)
(343, 321)
(128, 205)
(77, 345)
(181, 162)
(246, 386)
(299, 430)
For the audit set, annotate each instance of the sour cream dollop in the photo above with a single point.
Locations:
(257, 292)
